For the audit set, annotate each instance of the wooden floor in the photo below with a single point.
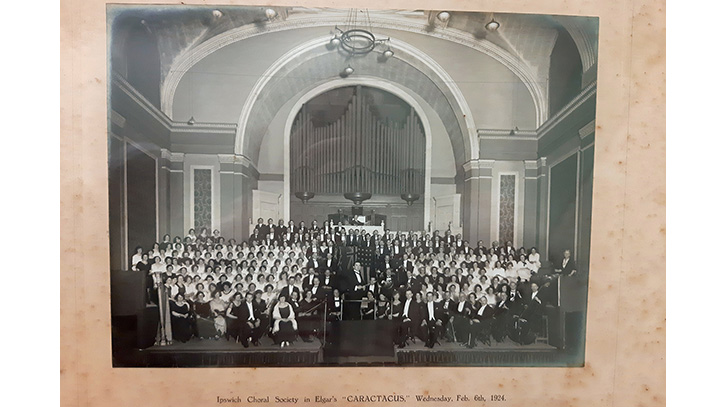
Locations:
(504, 346)
(223, 345)
(223, 353)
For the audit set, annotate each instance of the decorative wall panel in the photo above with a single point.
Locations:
(202, 199)
(507, 204)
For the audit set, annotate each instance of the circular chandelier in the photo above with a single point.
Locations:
(358, 41)
(357, 38)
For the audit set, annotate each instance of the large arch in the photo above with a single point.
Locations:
(327, 17)
(314, 48)
(307, 69)
(373, 82)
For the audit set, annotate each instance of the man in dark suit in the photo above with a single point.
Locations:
(317, 290)
(533, 309)
(352, 238)
(432, 321)
(329, 283)
(256, 235)
(409, 314)
(568, 267)
(250, 323)
(329, 263)
(261, 228)
(480, 249)
(314, 262)
(386, 263)
(309, 278)
(396, 249)
(407, 263)
(510, 249)
(462, 312)
(388, 282)
(302, 229)
(355, 291)
(372, 286)
(465, 249)
(447, 308)
(279, 230)
(289, 289)
(411, 282)
(501, 318)
(481, 323)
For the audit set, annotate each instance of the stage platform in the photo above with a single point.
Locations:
(505, 353)
(223, 353)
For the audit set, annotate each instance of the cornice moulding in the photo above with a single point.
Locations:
(585, 95)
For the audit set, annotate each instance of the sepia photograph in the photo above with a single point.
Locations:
(318, 187)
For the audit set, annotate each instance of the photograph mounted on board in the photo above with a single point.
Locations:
(294, 186)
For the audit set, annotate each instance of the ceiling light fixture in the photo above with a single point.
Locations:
(357, 38)
(270, 13)
(493, 24)
(444, 16)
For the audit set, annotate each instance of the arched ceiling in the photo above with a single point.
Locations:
(318, 66)
(526, 38)
(220, 53)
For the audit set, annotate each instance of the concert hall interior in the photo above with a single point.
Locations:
(346, 160)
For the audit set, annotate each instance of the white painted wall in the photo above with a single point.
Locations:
(275, 187)
(446, 210)
(266, 205)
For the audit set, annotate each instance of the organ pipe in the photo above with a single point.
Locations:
(358, 152)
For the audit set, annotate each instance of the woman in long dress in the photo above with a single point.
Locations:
(263, 310)
(396, 316)
(156, 271)
(218, 308)
(203, 317)
(382, 308)
(284, 327)
(181, 318)
(368, 307)
(234, 312)
(533, 260)
(308, 312)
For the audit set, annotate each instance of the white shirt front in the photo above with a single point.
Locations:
(405, 308)
(431, 311)
(252, 313)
